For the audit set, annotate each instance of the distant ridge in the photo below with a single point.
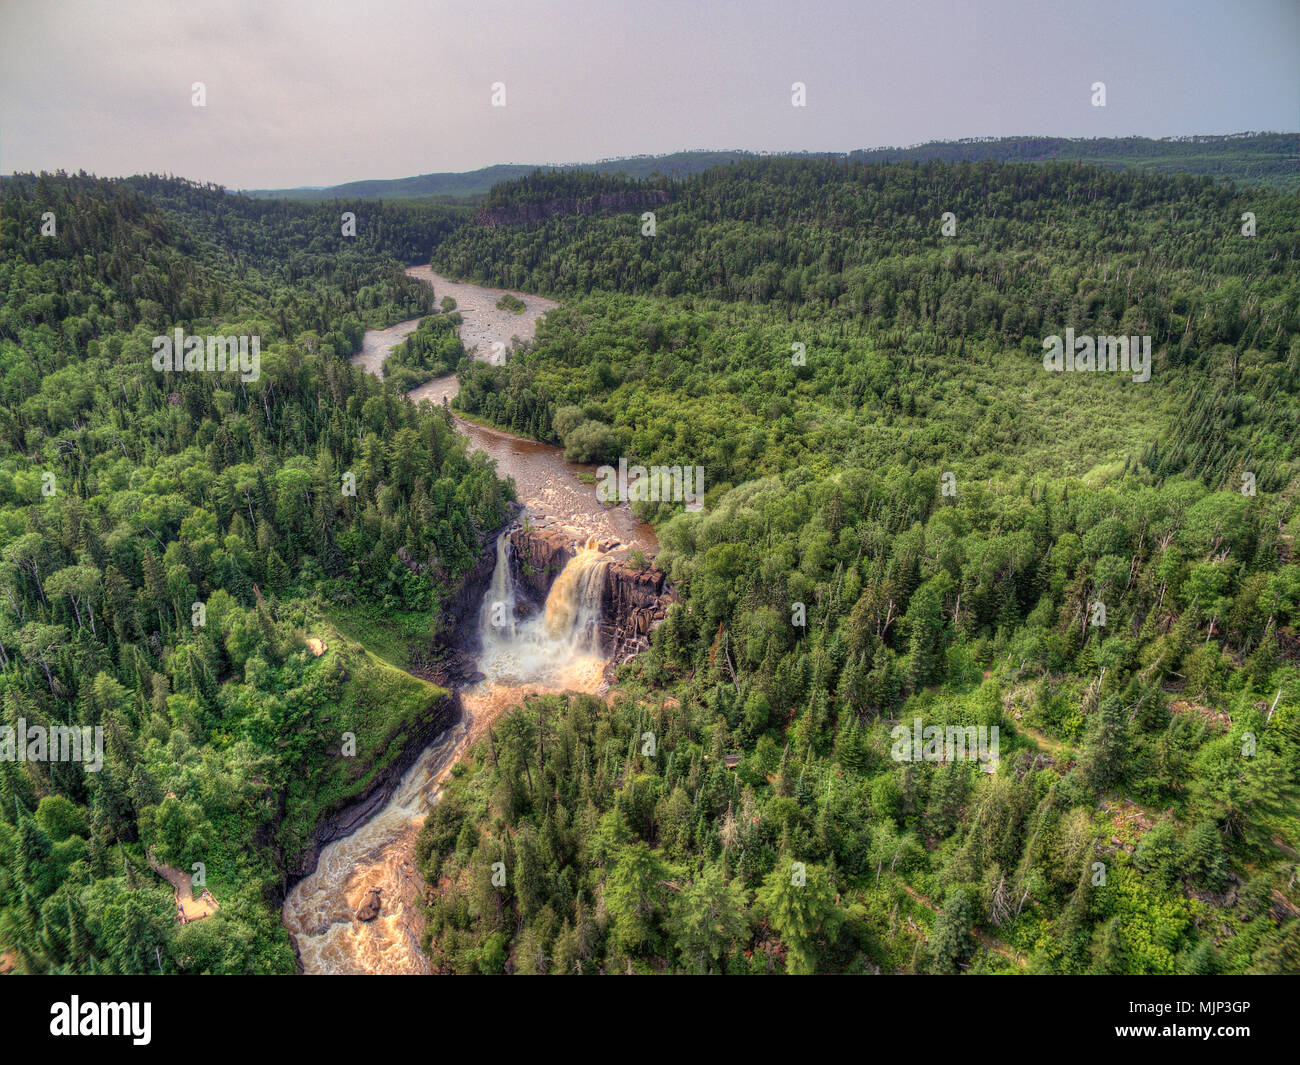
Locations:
(1248, 158)
(478, 182)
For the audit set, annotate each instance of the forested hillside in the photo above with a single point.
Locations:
(906, 517)
(168, 540)
(889, 463)
(1248, 158)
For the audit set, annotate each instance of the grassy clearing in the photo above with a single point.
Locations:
(365, 695)
(388, 634)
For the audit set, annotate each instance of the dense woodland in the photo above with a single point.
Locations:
(1250, 158)
(223, 739)
(802, 330)
(433, 350)
(1163, 744)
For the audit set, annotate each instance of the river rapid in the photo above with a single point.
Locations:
(554, 650)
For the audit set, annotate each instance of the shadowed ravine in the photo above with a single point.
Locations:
(554, 649)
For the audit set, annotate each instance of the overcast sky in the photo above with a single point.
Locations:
(317, 92)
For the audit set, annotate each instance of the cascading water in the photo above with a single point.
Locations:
(573, 605)
(320, 909)
(519, 656)
(496, 615)
(558, 648)
(555, 650)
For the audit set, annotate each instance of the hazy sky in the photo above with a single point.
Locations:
(317, 92)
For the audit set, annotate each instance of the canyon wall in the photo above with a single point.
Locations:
(448, 659)
(341, 821)
(632, 602)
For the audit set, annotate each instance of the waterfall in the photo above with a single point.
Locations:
(555, 650)
(496, 616)
(545, 647)
(573, 604)
(518, 657)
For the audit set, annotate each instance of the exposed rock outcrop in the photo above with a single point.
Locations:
(538, 556)
(369, 908)
(633, 602)
(345, 818)
(407, 559)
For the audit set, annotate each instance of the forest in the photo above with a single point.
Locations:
(168, 543)
(1248, 158)
(889, 464)
(907, 518)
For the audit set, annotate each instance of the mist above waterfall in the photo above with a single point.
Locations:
(558, 647)
(554, 650)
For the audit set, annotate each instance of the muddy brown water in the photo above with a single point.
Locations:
(551, 489)
(320, 910)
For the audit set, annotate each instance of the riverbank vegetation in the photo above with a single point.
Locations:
(433, 350)
(1247, 158)
(908, 517)
(169, 539)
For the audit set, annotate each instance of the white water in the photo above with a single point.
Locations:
(558, 648)
(573, 606)
(319, 911)
(552, 651)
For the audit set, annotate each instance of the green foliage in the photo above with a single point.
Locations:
(802, 909)
(173, 491)
(1142, 816)
(1139, 772)
(433, 350)
(1250, 158)
(951, 942)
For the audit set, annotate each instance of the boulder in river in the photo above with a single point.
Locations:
(369, 908)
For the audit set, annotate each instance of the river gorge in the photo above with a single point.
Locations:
(560, 605)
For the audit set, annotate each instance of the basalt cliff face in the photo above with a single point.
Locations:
(346, 817)
(447, 659)
(633, 602)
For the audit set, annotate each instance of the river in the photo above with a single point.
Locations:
(551, 652)
(549, 487)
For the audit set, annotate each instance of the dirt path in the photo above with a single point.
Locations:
(189, 908)
(1054, 747)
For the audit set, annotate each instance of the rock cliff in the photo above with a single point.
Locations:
(632, 602)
